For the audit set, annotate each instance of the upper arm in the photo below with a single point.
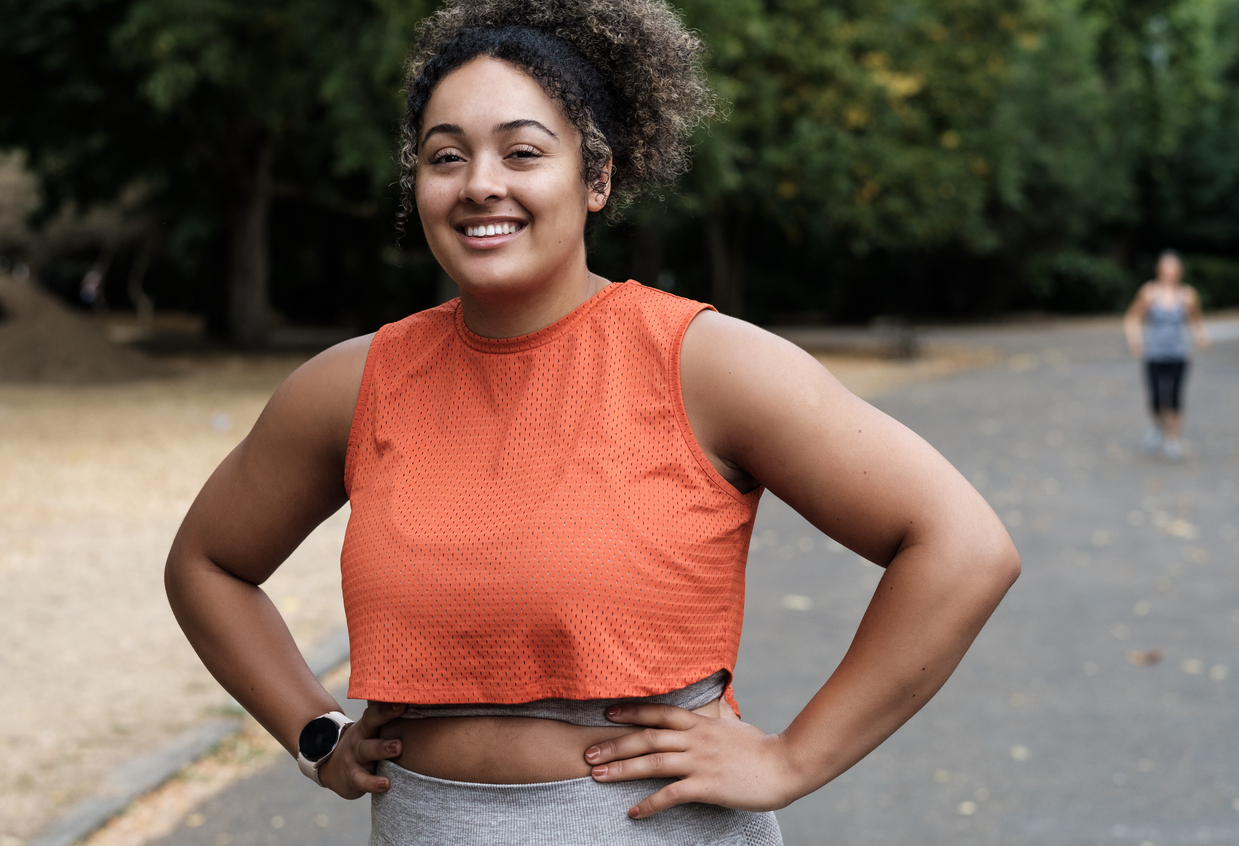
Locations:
(286, 476)
(1139, 305)
(1193, 304)
(861, 477)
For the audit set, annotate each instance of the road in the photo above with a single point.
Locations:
(1061, 727)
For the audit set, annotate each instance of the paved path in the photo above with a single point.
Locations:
(1048, 735)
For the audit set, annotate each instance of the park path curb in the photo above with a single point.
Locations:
(144, 773)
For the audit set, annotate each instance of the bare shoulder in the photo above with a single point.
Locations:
(319, 397)
(768, 408)
(738, 370)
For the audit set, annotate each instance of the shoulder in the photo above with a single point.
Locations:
(744, 376)
(316, 402)
(1144, 295)
(716, 344)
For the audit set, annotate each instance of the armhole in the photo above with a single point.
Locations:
(360, 413)
(681, 415)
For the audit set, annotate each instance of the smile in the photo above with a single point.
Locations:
(490, 229)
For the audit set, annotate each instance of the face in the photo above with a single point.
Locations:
(500, 189)
(1169, 269)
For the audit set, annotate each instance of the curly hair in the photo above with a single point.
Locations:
(626, 72)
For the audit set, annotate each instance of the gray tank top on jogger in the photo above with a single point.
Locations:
(579, 712)
(1165, 333)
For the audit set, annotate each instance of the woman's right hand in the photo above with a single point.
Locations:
(350, 769)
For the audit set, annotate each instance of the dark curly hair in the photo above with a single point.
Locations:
(626, 72)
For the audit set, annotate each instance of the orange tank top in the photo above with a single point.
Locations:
(532, 517)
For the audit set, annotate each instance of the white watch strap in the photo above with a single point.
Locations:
(310, 768)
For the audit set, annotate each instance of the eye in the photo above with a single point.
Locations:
(445, 157)
(524, 151)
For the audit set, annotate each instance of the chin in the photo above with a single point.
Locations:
(493, 278)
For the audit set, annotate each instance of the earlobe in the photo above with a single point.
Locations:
(598, 199)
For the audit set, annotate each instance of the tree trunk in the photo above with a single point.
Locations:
(726, 265)
(248, 261)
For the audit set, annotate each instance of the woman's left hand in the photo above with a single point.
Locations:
(718, 760)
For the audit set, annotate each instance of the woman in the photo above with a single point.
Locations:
(1167, 308)
(553, 482)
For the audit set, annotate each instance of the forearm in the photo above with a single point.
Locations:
(925, 613)
(244, 643)
(1131, 329)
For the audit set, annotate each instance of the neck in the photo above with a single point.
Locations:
(510, 314)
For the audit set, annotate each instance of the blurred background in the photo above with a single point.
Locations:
(926, 158)
(947, 201)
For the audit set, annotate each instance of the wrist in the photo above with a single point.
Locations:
(797, 776)
(318, 740)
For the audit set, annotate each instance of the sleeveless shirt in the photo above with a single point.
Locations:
(1165, 333)
(532, 517)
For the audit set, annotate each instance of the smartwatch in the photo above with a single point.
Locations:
(318, 740)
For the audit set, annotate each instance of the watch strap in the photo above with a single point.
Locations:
(310, 768)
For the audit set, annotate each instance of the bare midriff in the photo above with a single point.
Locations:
(504, 750)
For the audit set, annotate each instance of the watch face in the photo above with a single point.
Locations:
(318, 738)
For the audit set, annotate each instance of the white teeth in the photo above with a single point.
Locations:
(491, 229)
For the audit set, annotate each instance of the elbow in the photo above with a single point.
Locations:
(999, 559)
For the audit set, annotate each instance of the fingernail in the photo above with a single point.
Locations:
(614, 711)
(394, 747)
(385, 786)
(634, 813)
(592, 752)
(599, 772)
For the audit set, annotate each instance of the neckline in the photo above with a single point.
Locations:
(545, 335)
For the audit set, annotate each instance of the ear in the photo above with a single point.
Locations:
(598, 199)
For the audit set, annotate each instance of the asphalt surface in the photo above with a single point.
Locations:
(1100, 705)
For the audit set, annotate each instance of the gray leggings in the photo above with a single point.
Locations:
(419, 809)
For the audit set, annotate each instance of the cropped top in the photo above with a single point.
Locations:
(532, 517)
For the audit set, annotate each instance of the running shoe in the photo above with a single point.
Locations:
(1153, 440)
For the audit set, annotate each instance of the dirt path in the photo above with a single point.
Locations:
(95, 482)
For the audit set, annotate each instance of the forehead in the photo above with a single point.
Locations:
(485, 92)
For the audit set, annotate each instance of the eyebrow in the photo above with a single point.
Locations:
(523, 123)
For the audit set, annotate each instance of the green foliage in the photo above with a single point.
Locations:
(946, 156)
(180, 97)
(1040, 143)
(1216, 278)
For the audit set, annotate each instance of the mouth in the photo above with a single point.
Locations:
(491, 230)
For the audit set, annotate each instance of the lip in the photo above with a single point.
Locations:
(488, 242)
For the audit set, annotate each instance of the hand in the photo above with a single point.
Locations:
(719, 760)
(349, 771)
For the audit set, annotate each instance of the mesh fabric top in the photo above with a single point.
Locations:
(532, 517)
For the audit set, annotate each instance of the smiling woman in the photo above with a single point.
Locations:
(553, 483)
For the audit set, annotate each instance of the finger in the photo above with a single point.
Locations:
(377, 715)
(367, 783)
(634, 745)
(655, 765)
(372, 750)
(673, 794)
(662, 716)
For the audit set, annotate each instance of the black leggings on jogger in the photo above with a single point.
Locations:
(1165, 384)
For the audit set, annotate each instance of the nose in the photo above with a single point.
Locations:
(484, 180)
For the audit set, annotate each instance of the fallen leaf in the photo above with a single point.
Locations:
(1145, 659)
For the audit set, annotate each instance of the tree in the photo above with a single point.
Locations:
(217, 107)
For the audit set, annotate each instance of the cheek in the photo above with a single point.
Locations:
(434, 201)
